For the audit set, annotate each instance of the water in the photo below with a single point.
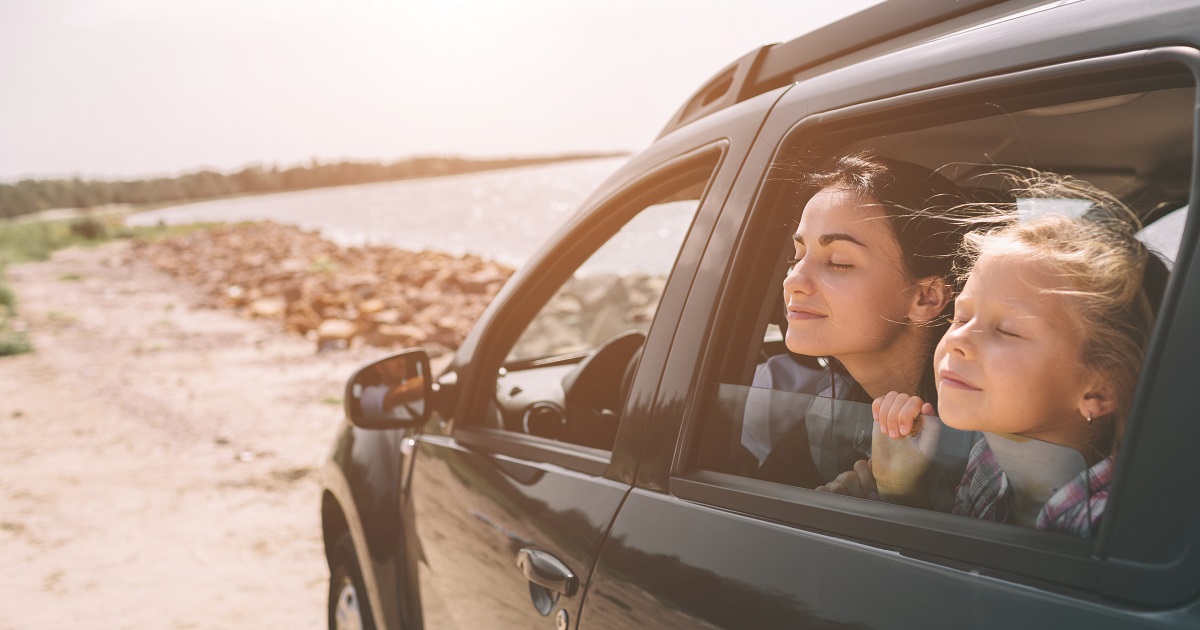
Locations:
(502, 215)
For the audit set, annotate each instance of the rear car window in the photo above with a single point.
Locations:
(788, 419)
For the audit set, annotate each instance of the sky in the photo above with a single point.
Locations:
(111, 89)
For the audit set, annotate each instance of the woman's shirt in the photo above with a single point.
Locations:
(797, 427)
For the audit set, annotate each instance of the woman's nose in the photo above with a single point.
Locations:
(798, 279)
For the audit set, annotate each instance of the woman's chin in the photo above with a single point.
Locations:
(806, 349)
(806, 344)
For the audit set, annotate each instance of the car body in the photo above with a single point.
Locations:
(560, 469)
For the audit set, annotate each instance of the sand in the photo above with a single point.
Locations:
(158, 458)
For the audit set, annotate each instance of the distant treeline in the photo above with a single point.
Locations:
(34, 195)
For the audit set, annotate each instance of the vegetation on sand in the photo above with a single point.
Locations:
(22, 241)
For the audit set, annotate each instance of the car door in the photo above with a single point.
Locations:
(698, 542)
(515, 481)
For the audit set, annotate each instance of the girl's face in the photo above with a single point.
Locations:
(1011, 361)
(847, 293)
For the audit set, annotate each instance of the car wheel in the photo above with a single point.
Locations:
(348, 607)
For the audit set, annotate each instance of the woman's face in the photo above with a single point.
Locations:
(847, 293)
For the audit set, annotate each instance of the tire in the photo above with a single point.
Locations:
(349, 608)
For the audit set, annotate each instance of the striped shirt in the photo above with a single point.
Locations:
(1074, 509)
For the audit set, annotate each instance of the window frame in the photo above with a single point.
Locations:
(1032, 557)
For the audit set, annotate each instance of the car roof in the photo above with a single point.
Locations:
(776, 65)
(1121, 142)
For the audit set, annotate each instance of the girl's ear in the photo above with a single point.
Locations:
(1097, 401)
(930, 300)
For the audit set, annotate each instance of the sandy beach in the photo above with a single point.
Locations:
(159, 456)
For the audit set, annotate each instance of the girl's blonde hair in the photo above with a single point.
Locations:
(1115, 281)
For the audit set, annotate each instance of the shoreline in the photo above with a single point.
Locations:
(436, 167)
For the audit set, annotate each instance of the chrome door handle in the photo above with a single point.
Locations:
(545, 570)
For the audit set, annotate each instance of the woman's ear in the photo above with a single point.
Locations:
(932, 296)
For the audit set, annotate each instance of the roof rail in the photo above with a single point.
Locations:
(775, 65)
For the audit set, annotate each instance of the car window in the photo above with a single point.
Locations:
(616, 290)
(568, 373)
(772, 413)
(808, 441)
(1163, 236)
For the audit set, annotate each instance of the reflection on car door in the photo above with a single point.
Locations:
(476, 512)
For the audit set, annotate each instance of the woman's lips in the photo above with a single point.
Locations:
(950, 378)
(800, 313)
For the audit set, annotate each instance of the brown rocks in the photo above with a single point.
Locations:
(338, 296)
(267, 307)
(335, 333)
(397, 335)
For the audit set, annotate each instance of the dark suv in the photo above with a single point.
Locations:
(570, 465)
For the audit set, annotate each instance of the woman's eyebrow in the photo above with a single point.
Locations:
(826, 239)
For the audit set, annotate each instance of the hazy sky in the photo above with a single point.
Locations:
(124, 88)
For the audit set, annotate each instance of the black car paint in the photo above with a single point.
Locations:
(471, 540)
(728, 570)
(363, 495)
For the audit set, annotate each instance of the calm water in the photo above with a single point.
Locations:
(503, 215)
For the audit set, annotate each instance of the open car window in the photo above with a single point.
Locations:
(616, 290)
(787, 420)
(567, 375)
(809, 441)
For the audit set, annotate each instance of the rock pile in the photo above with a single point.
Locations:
(335, 295)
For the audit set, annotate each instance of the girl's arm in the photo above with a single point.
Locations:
(903, 448)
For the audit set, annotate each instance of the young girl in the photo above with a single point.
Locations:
(1046, 343)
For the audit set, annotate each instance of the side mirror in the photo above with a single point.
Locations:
(391, 393)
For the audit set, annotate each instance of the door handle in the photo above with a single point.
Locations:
(545, 570)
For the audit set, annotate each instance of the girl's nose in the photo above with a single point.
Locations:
(958, 340)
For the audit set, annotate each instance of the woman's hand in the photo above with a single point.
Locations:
(858, 482)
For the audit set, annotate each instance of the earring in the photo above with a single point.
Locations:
(1089, 417)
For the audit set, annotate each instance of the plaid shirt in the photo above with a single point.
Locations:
(1074, 509)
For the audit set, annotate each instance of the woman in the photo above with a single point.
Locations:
(869, 286)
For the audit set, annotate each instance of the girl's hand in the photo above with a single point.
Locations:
(896, 413)
(899, 463)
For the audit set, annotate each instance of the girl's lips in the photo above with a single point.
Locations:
(950, 378)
